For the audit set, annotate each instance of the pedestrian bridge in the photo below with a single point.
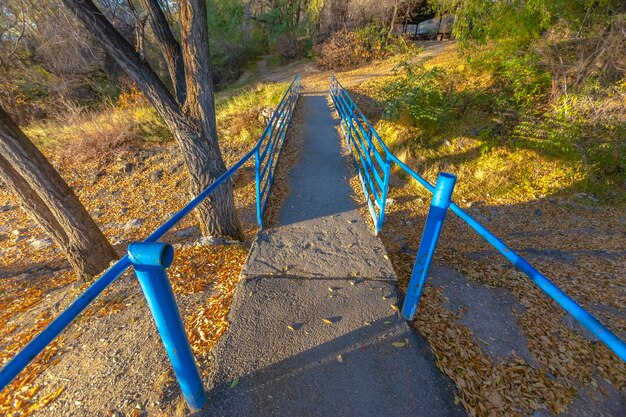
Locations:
(317, 321)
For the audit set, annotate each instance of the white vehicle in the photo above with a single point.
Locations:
(437, 28)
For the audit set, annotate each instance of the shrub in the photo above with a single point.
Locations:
(349, 49)
(419, 94)
(289, 46)
(227, 63)
(339, 51)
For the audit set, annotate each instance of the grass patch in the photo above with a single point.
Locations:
(89, 133)
(447, 114)
(85, 133)
(239, 120)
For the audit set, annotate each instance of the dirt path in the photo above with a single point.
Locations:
(314, 326)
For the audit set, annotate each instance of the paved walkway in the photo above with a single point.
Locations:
(312, 324)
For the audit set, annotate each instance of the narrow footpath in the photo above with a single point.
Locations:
(315, 329)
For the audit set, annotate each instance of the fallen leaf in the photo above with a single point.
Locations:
(234, 383)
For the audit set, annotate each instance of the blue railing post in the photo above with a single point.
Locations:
(150, 261)
(350, 123)
(257, 176)
(383, 199)
(430, 236)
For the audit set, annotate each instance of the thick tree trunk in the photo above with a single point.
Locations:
(200, 106)
(169, 47)
(193, 125)
(45, 196)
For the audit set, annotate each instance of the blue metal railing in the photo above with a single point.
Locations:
(267, 151)
(371, 157)
(359, 133)
(267, 155)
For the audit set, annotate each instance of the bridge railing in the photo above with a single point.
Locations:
(150, 259)
(272, 139)
(371, 158)
(362, 138)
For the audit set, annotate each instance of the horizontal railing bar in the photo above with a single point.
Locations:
(264, 185)
(265, 167)
(377, 177)
(275, 141)
(47, 335)
(364, 160)
(160, 231)
(547, 286)
(379, 157)
(361, 134)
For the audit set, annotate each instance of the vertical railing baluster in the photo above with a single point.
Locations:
(434, 222)
(383, 198)
(257, 177)
(150, 261)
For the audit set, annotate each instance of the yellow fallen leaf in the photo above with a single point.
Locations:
(395, 307)
(291, 328)
(46, 400)
(327, 321)
(399, 344)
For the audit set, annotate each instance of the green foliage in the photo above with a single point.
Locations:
(419, 94)
(520, 74)
(529, 43)
(224, 19)
(513, 22)
(372, 37)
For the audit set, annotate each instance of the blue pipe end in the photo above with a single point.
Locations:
(443, 190)
(151, 254)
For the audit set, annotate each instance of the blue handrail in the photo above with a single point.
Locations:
(351, 116)
(267, 158)
(283, 113)
(363, 142)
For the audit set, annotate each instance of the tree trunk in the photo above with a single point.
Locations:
(200, 106)
(245, 23)
(45, 196)
(193, 124)
(169, 47)
(140, 30)
(393, 18)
